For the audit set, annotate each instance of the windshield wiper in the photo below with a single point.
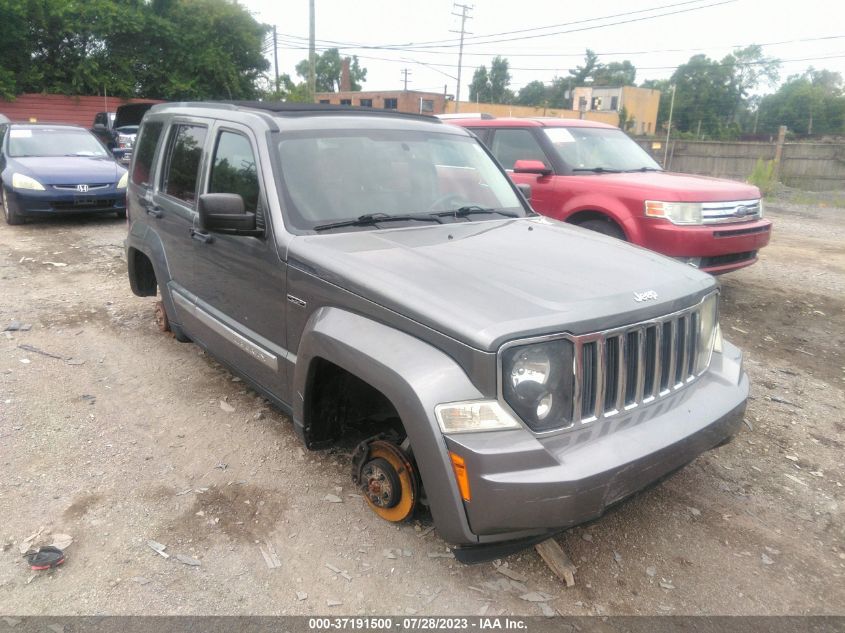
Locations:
(462, 212)
(643, 169)
(371, 219)
(598, 170)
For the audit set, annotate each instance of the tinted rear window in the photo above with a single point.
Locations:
(184, 155)
(145, 151)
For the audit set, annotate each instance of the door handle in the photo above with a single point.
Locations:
(200, 236)
(154, 211)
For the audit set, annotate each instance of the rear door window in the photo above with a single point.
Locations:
(182, 162)
(145, 152)
(511, 145)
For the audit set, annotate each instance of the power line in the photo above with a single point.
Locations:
(601, 54)
(448, 44)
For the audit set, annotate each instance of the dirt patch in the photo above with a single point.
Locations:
(80, 507)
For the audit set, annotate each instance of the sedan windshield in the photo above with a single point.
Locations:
(599, 150)
(46, 141)
(358, 179)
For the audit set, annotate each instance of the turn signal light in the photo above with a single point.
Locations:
(460, 468)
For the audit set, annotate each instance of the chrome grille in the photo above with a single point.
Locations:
(93, 187)
(620, 369)
(734, 211)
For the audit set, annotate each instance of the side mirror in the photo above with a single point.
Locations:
(525, 190)
(224, 212)
(531, 167)
(100, 127)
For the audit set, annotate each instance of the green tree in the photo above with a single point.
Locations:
(582, 75)
(615, 74)
(170, 49)
(810, 103)
(532, 94)
(327, 69)
(749, 68)
(704, 98)
(500, 79)
(480, 86)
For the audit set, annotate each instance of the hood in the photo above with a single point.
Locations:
(674, 187)
(130, 114)
(63, 170)
(484, 283)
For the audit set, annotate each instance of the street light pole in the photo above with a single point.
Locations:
(312, 53)
(463, 15)
(669, 127)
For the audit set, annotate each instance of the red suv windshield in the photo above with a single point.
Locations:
(598, 149)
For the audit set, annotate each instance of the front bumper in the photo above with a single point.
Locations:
(524, 485)
(721, 247)
(60, 202)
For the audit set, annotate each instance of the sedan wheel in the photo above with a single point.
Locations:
(8, 212)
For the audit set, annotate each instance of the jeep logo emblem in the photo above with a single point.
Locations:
(82, 188)
(648, 295)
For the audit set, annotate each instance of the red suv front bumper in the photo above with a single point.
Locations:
(721, 247)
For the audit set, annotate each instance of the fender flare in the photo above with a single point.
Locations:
(145, 240)
(414, 376)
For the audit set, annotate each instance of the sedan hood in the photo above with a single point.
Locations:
(674, 187)
(484, 283)
(69, 170)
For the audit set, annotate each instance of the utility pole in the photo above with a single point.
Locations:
(669, 127)
(405, 73)
(276, 56)
(312, 54)
(463, 15)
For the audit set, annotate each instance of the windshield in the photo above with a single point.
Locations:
(336, 175)
(53, 142)
(599, 149)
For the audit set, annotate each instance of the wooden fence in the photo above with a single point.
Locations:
(810, 166)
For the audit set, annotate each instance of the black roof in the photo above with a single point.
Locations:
(281, 108)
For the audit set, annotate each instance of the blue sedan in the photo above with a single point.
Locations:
(57, 170)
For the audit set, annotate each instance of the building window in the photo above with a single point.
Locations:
(366, 103)
(391, 104)
(596, 105)
(346, 102)
(324, 101)
(426, 105)
(614, 103)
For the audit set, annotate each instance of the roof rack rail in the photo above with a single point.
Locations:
(281, 108)
(465, 115)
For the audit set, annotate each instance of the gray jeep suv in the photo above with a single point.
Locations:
(377, 276)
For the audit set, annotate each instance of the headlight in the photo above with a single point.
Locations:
(537, 383)
(124, 141)
(708, 326)
(462, 417)
(121, 184)
(19, 181)
(675, 212)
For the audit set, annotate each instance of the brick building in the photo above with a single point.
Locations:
(401, 100)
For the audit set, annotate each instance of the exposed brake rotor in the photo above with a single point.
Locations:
(386, 477)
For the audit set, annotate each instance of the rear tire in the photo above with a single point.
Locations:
(164, 324)
(9, 212)
(605, 227)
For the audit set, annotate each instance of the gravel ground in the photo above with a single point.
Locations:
(130, 436)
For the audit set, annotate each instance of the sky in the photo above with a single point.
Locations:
(545, 38)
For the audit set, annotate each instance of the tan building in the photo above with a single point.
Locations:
(401, 100)
(641, 104)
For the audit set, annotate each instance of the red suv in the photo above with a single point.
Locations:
(593, 175)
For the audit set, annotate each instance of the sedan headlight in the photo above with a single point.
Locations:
(19, 181)
(708, 329)
(124, 179)
(538, 382)
(675, 212)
